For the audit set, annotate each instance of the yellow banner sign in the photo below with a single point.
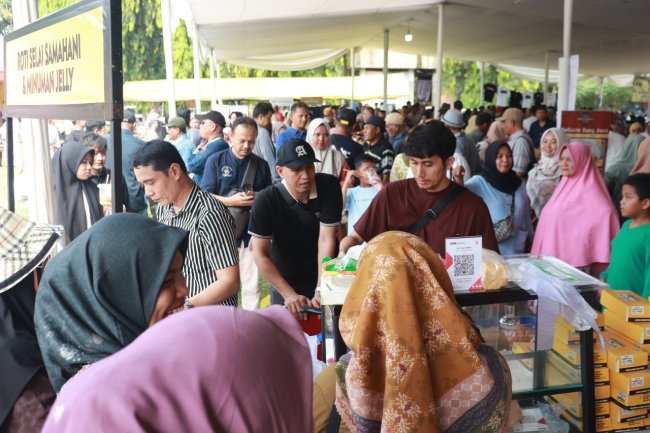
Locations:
(60, 64)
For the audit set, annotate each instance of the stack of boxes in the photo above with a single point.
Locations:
(621, 371)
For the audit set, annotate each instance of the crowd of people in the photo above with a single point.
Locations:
(213, 204)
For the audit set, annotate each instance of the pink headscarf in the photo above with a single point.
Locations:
(210, 369)
(579, 222)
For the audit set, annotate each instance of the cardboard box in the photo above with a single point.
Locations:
(572, 402)
(638, 332)
(602, 393)
(626, 304)
(633, 382)
(623, 355)
(629, 402)
(620, 415)
(603, 424)
(571, 353)
(567, 334)
(620, 427)
(520, 347)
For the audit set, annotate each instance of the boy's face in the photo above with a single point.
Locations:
(631, 205)
(363, 178)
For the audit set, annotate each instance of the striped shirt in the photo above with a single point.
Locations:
(211, 243)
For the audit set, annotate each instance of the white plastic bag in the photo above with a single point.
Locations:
(316, 365)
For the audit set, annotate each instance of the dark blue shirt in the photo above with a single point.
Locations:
(348, 147)
(196, 163)
(225, 172)
(536, 131)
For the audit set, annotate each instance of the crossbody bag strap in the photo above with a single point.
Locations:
(437, 208)
(249, 173)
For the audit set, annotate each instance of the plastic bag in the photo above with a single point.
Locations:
(496, 271)
(574, 308)
(316, 365)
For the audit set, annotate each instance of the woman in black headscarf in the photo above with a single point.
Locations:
(505, 195)
(77, 197)
(106, 288)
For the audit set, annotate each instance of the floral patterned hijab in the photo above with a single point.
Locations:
(416, 363)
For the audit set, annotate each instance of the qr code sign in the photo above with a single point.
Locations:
(464, 265)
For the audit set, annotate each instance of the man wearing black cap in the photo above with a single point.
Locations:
(293, 224)
(341, 135)
(377, 146)
(211, 129)
(130, 145)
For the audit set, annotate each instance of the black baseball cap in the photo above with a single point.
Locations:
(214, 116)
(377, 121)
(347, 116)
(295, 153)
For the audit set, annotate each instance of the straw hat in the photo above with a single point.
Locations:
(23, 246)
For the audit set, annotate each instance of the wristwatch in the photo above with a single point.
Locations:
(188, 304)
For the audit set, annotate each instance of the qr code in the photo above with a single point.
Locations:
(464, 265)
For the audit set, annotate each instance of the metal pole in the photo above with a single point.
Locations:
(218, 66)
(546, 67)
(386, 70)
(602, 92)
(197, 69)
(10, 165)
(169, 57)
(354, 71)
(481, 67)
(563, 93)
(118, 104)
(437, 78)
(213, 102)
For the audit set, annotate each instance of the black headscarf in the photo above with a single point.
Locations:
(68, 190)
(504, 182)
(98, 294)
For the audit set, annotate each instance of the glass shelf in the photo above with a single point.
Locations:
(541, 373)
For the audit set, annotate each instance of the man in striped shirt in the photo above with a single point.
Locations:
(211, 266)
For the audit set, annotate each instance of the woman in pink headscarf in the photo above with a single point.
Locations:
(209, 369)
(579, 222)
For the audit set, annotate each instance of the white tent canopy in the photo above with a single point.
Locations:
(611, 36)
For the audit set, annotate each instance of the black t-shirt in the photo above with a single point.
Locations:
(348, 147)
(294, 229)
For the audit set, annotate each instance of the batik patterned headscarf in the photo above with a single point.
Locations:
(416, 363)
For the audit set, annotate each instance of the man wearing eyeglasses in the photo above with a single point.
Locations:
(211, 129)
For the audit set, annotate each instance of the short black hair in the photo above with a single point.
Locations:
(238, 114)
(159, 155)
(363, 158)
(458, 105)
(641, 184)
(95, 142)
(262, 109)
(94, 125)
(245, 121)
(540, 107)
(430, 139)
(298, 105)
(185, 114)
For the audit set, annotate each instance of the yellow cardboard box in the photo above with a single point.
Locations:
(620, 415)
(627, 426)
(572, 402)
(602, 393)
(626, 304)
(567, 334)
(633, 382)
(638, 332)
(571, 353)
(520, 347)
(627, 401)
(623, 355)
(603, 424)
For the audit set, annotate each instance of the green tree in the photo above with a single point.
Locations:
(6, 21)
(182, 52)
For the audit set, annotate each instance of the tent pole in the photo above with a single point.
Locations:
(169, 58)
(353, 70)
(546, 67)
(386, 70)
(602, 92)
(481, 67)
(563, 93)
(437, 78)
(10, 165)
(197, 69)
(214, 85)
